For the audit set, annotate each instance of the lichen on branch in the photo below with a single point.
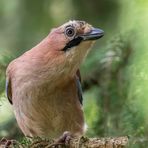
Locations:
(75, 142)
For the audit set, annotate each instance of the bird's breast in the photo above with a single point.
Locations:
(47, 109)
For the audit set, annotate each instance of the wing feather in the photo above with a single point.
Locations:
(79, 87)
(8, 90)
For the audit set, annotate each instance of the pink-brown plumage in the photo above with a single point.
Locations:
(42, 85)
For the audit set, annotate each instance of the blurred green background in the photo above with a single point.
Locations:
(115, 73)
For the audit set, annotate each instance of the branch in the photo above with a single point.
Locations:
(77, 142)
(84, 142)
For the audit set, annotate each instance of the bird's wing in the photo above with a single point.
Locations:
(79, 88)
(8, 90)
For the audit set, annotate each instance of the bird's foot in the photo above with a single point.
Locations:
(7, 143)
(65, 138)
(62, 141)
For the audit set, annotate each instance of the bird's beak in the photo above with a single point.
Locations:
(94, 34)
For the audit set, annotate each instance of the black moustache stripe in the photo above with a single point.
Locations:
(72, 43)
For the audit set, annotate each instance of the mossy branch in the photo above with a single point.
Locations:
(76, 142)
(84, 142)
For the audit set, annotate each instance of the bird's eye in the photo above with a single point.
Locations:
(70, 31)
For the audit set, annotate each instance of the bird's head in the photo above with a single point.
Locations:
(71, 42)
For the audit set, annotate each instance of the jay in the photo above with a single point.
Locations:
(44, 85)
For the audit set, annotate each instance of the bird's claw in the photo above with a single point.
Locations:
(65, 138)
(5, 143)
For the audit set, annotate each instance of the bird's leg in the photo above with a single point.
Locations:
(65, 138)
(62, 140)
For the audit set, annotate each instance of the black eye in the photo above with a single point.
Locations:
(70, 31)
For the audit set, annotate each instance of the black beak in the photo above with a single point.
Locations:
(94, 34)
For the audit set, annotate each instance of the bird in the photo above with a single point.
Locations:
(43, 85)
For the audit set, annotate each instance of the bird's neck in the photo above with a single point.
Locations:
(49, 64)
